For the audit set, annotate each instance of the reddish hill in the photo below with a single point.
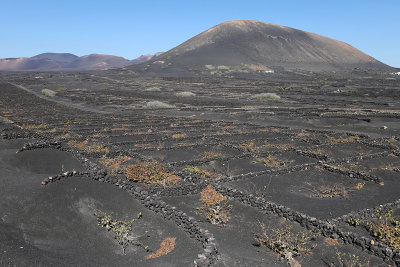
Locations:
(62, 61)
(144, 58)
(97, 62)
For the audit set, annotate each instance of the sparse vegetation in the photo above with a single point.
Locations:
(90, 148)
(303, 134)
(360, 185)
(266, 96)
(272, 162)
(331, 241)
(328, 191)
(114, 164)
(48, 93)
(151, 173)
(349, 260)
(348, 139)
(284, 240)
(64, 136)
(214, 206)
(211, 154)
(33, 126)
(252, 147)
(201, 172)
(209, 143)
(121, 229)
(317, 151)
(219, 67)
(354, 221)
(386, 229)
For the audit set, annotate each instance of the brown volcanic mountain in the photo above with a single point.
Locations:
(26, 63)
(97, 62)
(144, 58)
(63, 61)
(263, 44)
(59, 57)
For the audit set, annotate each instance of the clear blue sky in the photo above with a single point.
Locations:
(131, 28)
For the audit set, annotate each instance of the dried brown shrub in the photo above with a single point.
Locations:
(203, 173)
(211, 154)
(113, 164)
(340, 140)
(319, 168)
(97, 135)
(317, 151)
(181, 135)
(64, 136)
(303, 134)
(283, 239)
(151, 173)
(53, 130)
(329, 191)
(214, 207)
(272, 162)
(84, 145)
(166, 246)
(251, 146)
(210, 197)
(76, 144)
(386, 229)
(41, 128)
(331, 241)
(33, 126)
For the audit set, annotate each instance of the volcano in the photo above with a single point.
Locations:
(261, 44)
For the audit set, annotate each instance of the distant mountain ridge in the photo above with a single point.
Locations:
(67, 61)
(61, 57)
(261, 44)
(144, 58)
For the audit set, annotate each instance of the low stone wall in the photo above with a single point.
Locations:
(326, 228)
